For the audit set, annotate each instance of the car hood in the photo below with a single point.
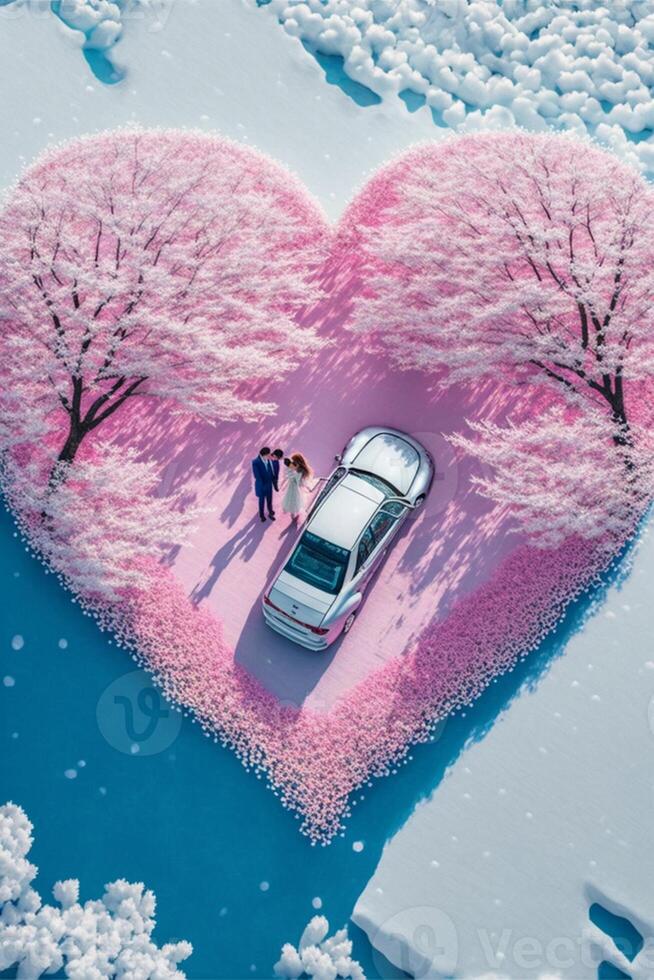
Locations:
(300, 600)
(390, 457)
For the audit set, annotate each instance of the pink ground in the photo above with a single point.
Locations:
(458, 601)
(446, 552)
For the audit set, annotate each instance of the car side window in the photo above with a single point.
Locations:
(377, 530)
(381, 525)
(366, 547)
(384, 520)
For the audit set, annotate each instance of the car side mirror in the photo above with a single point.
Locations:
(338, 458)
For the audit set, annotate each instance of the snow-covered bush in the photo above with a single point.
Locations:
(100, 22)
(580, 65)
(110, 937)
(318, 955)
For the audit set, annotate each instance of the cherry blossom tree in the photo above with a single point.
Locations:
(152, 263)
(560, 475)
(522, 258)
(523, 255)
(104, 524)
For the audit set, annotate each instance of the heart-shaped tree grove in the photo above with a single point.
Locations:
(148, 277)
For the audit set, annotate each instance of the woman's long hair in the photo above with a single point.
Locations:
(302, 465)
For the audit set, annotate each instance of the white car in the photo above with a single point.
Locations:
(382, 475)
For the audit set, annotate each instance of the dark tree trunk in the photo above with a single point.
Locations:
(70, 447)
(624, 443)
(82, 422)
(68, 452)
(622, 438)
(623, 435)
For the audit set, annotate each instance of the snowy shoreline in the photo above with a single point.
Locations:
(545, 816)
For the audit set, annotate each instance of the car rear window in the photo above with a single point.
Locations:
(319, 563)
(377, 483)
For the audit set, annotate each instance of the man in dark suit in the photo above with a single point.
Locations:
(276, 457)
(264, 482)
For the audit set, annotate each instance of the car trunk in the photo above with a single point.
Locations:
(299, 600)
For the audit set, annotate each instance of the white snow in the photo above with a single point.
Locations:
(318, 955)
(100, 22)
(546, 815)
(583, 66)
(92, 24)
(228, 68)
(105, 938)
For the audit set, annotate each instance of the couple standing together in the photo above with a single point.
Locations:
(266, 469)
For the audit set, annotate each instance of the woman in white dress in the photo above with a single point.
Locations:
(298, 474)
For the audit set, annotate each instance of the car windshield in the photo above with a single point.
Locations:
(319, 563)
(378, 483)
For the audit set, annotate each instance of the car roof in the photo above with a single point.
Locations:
(391, 457)
(346, 511)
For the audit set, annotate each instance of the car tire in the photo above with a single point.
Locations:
(419, 501)
(349, 623)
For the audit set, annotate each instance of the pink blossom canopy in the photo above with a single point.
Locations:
(157, 263)
(514, 253)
